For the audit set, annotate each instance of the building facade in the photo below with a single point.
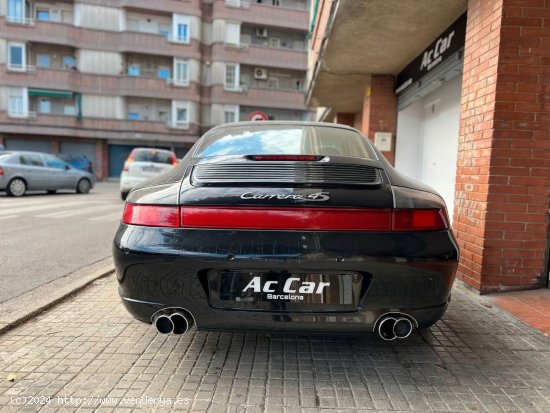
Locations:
(457, 95)
(99, 77)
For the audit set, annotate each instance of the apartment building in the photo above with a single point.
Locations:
(99, 77)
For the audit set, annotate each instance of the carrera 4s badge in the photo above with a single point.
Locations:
(317, 196)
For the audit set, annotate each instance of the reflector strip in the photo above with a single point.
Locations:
(323, 219)
(419, 220)
(151, 215)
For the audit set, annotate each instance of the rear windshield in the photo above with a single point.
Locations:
(283, 140)
(153, 155)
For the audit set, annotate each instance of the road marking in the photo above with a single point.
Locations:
(109, 217)
(10, 211)
(83, 211)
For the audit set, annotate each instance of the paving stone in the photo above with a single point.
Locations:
(477, 358)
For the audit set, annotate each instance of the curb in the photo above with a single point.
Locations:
(22, 308)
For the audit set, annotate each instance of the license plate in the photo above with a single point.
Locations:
(286, 290)
(150, 169)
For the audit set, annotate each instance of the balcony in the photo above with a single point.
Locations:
(260, 56)
(60, 125)
(123, 85)
(82, 38)
(189, 7)
(257, 97)
(261, 14)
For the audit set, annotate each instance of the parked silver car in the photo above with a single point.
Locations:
(30, 171)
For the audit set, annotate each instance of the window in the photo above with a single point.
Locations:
(275, 42)
(273, 83)
(181, 116)
(16, 102)
(283, 140)
(181, 72)
(16, 56)
(231, 113)
(32, 160)
(54, 162)
(69, 110)
(180, 30)
(134, 70)
(67, 16)
(232, 33)
(44, 105)
(43, 60)
(16, 11)
(164, 29)
(133, 116)
(231, 76)
(42, 14)
(163, 73)
(69, 62)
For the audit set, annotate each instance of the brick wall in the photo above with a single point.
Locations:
(380, 110)
(503, 175)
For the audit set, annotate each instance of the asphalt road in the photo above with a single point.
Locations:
(45, 237)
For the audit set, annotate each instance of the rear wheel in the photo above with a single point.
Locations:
(123, 195)
(83, 186)
(16, 187)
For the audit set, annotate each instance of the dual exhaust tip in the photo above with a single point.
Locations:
(391, 327)
(173, 321)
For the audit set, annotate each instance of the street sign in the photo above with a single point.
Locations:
(257, 116)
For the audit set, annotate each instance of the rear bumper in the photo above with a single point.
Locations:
(407, 273)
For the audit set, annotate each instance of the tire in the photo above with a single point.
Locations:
(17, 187)
(51, 191)
(123, 195)
(83, 186)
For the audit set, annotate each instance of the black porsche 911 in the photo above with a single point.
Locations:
(285, 226)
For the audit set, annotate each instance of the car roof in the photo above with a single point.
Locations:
(26, 153)
(268, 123)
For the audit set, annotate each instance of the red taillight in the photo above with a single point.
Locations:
(174, 160)
(285, 218)
(1, 171)
(151, 215)
(286, 157)
(419, 220)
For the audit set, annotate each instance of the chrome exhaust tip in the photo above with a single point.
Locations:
(386, 328)
(164, 324)
(402, 328)
(181, 322)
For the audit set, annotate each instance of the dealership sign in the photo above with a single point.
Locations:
(448, 43)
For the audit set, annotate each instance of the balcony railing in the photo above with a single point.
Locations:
(25, 21)
(177, 82)
(237, 3)
(245, 4)
(176, 124)
(26, 115)
(21, 68)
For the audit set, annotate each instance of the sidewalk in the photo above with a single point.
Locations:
(531, 307)
(88, 354)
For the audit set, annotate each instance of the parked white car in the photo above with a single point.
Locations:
(143, 164)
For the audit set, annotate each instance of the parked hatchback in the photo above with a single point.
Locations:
(30, 171)
(142, 164)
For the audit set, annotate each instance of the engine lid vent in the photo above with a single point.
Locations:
(237, 174)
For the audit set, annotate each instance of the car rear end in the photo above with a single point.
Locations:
(5, 169)
(143, 164)
(309, 241)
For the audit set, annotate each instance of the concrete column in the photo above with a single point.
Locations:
(380, 110)
(503, 173)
